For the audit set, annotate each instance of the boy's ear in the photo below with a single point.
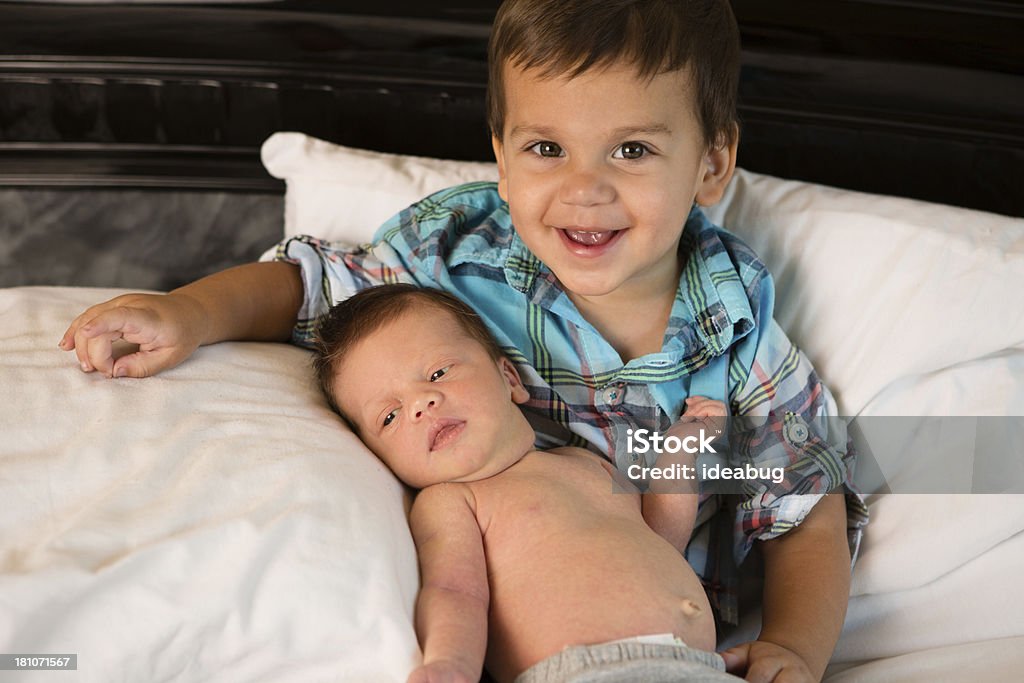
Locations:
(719, 164)
(519, 392)
(499, 156)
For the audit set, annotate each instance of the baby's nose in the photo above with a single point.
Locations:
(429, 404)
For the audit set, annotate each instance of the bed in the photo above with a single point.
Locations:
(218, 522)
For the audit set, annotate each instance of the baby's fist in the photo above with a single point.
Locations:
(700, 413)
(702, 407)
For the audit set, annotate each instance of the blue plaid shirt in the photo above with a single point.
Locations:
(721, 342)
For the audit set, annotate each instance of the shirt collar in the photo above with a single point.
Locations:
(712, 298)
(521, 266)
(711, 306)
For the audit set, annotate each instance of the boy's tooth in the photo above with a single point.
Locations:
(588, 237)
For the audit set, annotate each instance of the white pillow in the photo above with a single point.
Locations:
(880, 290)
(215, 522)
(877, 290)
(342, 194)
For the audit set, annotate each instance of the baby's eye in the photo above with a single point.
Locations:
(438, 374)
(547, 149)
(390, 417)
(631, 150)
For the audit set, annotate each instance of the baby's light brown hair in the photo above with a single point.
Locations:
(355, 318)
(570, 37)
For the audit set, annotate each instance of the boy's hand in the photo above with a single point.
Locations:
(442, 671)
(763, 662)
(167, 327)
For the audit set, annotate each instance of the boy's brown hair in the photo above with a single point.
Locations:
(355, 318)
(569, 37)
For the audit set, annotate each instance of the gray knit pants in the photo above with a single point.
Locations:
(629, 662)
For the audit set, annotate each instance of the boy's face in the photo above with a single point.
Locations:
(600, 172)
(431, 403)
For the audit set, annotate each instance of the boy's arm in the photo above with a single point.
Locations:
(451, 610)
(257, 301)
(807, 586)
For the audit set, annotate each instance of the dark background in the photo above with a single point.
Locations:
(134, 130)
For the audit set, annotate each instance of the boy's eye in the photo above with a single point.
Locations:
(547, 149)
(438, 374)
(631, 150)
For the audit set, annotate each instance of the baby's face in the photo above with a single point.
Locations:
(431, 403)
(600, 172)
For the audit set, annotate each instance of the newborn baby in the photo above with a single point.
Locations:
(530, 562)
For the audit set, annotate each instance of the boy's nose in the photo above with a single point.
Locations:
(586, 187)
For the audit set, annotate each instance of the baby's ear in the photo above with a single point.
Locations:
(518, 391)
(718, 165)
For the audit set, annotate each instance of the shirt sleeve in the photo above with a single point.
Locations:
(333, 272)
(785, 416)
(416, 246)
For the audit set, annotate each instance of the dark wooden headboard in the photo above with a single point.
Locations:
(918, 99)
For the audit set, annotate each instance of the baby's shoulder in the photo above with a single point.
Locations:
(445, 498)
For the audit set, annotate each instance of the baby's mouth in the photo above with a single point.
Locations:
(444, 432)
(590, 238)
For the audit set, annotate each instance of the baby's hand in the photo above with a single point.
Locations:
(167, 327)
(442, 671)
(699, 407)
(670, 514)
(699, 413)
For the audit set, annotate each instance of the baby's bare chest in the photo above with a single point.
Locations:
(553, 493)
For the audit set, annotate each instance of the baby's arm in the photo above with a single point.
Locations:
(451, 610)
(258, 301)
(670, 506)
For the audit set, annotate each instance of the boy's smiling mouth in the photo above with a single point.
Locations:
(589, 242)
(443, 432)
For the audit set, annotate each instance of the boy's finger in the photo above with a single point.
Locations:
(67, 342)
(763, 670)
(89, 328)
(115, 319)
(143, 363)
(66, 338)
(736, 658)
(81, 347)
(99, 352)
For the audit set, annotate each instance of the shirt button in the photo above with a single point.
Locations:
(614, 394)
(797, 433)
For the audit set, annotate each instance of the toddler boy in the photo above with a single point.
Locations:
(592, 264)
